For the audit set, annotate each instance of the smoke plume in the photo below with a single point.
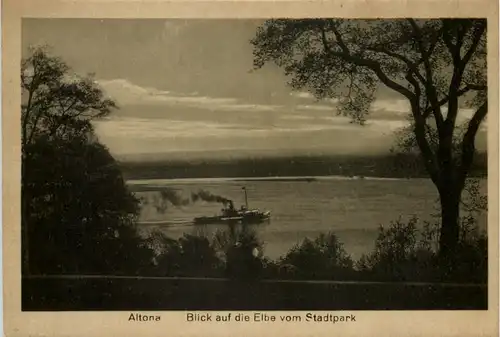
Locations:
(173, 197)
(165, 198)
(209, 197)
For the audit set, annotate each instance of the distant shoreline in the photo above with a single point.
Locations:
(402, 166)
(138, 182)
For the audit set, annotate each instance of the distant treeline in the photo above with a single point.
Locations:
(389, 166)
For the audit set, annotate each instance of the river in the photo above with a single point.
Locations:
(352, 208)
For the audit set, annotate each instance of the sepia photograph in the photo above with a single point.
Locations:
(254, 164)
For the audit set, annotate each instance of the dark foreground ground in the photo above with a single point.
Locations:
(111, 293)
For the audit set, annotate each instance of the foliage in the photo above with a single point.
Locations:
(79, 207)
(190, 255)
(237, 235)
(77, 214)
(474, 201)
(323, 257)
(241, 250)
(198, 255)
(401, 254)
(398, 254)
(404, 251)
(437, 66)
(345, 59)
(55, 101)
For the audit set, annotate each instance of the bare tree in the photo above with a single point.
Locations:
(438, 66)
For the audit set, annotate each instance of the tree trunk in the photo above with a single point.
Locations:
(450, 227)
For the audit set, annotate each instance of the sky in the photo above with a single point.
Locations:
(186, 88)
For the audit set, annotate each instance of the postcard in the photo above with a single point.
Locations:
(250, 168)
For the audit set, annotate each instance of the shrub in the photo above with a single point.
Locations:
(321, 258)
(242, 251)
(191, 255)
(403, 253)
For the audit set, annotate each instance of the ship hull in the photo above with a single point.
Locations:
(249, 218)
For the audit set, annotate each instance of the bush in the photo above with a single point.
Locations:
(230, 253)
(321, 258)
(401, 254)
(241, 250)
(472, 253)
(198, 256)
(191, 255)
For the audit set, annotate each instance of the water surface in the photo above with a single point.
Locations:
(351, 208)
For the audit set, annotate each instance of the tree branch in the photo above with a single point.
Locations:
(414, 83)
(475, 42)
(411, 65)
(64, 111)
(468, 142)
(32, 87)
(429, 83)
(33, 129)
(458, 71)
(449, 44)
(461, 92)
(26, 118)
(432, 46)
(420, 133)
(423, 144)
(372, 65)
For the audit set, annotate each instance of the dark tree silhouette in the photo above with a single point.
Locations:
(77, 214)
(80, 217)
(438, 66)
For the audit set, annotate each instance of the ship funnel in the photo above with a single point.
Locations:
(246, 196)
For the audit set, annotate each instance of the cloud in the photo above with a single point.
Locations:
(175, 130)
(298, 117)
(247, 107)
(127, 93)
(293, 124)
(395, 106)
(372, 128)
(131, 135)
(302, 94)
(400, 108)
(380, 108)
(144, 128)
(316, 107)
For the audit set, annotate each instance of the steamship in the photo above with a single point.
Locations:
(229, 214)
